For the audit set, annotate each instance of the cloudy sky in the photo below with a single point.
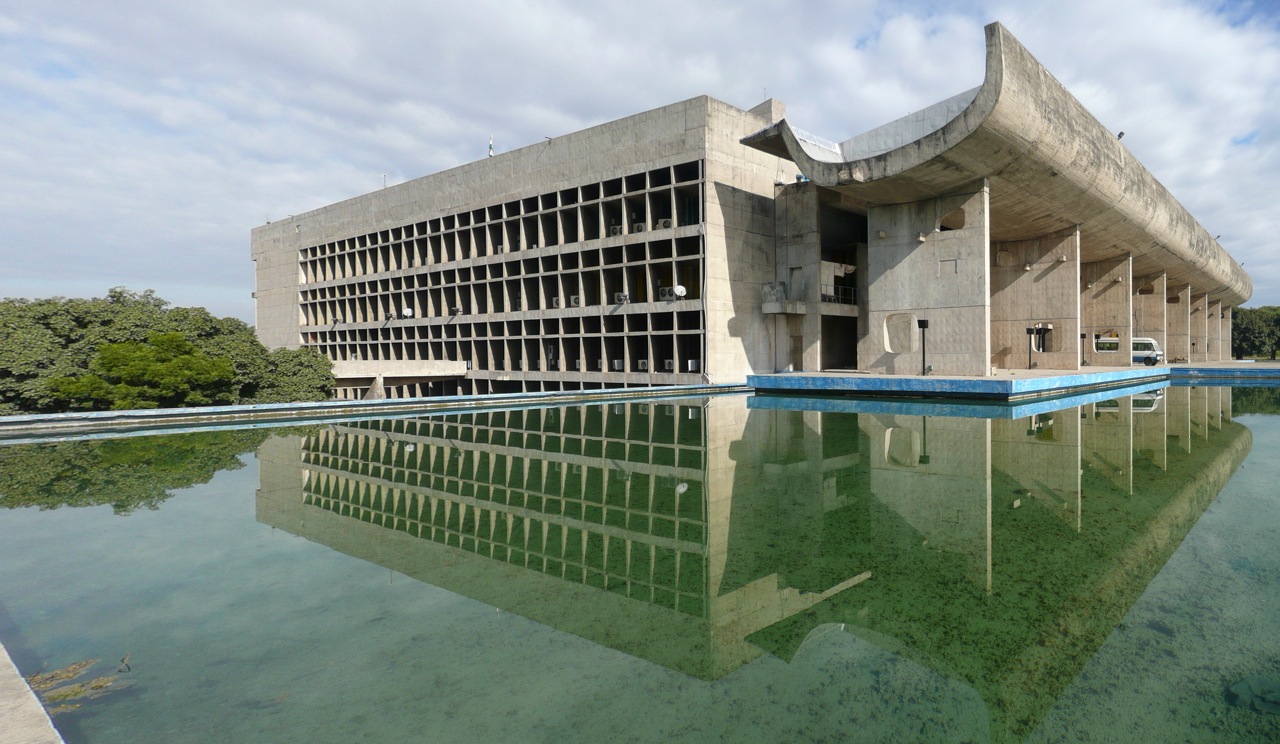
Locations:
(141, 140)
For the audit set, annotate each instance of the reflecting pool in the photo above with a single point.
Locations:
(733, 568)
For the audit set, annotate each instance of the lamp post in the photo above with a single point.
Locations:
(923, 325)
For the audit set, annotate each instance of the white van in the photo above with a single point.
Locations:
(1147, 351)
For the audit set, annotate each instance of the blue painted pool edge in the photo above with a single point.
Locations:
(997, 388)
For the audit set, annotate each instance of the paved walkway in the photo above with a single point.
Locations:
(22, 718)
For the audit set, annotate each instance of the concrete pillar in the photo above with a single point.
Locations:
(797, 332)
(1228, 326)
(1036, 283)
(1149, 308)
(1213, 343)
(1178, 323)
(915, 272)
(1106, 311)
(1199, 328)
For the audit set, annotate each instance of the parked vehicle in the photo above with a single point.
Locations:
(1147, 351)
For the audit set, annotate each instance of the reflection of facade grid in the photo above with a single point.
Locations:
(608, 496)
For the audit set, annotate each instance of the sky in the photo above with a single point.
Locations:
(141, 140)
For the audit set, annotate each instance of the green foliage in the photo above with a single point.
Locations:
(165, 372)
(54, 339)
(1255, 332)
(296, 375)
(128, 474)
(1255, 400)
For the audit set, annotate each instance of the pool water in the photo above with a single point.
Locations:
(702, 569)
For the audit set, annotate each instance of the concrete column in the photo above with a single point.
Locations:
(916, 271)
(1040, 453)
(797, 332)
(1178, 321)
(1106, 310)
(1149, 308)
(1199, 327)
(1213, 344)
(1228, 326)
(1198, 403)
(1036, 282)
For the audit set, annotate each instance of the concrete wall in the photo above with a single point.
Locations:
(740, 243)
(1198, 326)
(797, 331)
(1105, 309)
(914, 271)
(1036, 282)
(1178, 324)
(1149, 308)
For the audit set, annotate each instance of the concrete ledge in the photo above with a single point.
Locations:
(1011, 386)
(50, 426)
(990, 388)
(23, 719)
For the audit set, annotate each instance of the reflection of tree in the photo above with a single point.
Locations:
(1255, 400)
(125, 473)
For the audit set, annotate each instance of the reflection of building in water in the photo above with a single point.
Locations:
(700, 533)
(1004, 550)
(593, 519)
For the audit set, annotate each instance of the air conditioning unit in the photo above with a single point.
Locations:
(666, 224)
(532, 246)
(616, 365)
(669, 365)
(692, 365)
(556, 302)
(639, 227)
(642, 408)
(665, 293)
(619, 408)
(468, 365)
(575, 301)
(499, 248)
(615, 230)
(577, 364)
(667, 409)
(621, 297)
(553, 364)
(600, 365)
(643, 364)
(576, 469)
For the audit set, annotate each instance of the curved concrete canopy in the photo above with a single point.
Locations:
(1049, 163)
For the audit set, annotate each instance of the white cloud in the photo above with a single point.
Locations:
(144, 140)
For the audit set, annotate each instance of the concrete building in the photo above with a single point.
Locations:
(1001, 228)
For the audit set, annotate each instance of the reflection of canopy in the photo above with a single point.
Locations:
(1050, 165)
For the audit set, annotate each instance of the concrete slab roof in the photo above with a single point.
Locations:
(1049, 163)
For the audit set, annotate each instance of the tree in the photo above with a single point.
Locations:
(54, 339)
(296, 375)
(1255, 332)
(167, 371)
